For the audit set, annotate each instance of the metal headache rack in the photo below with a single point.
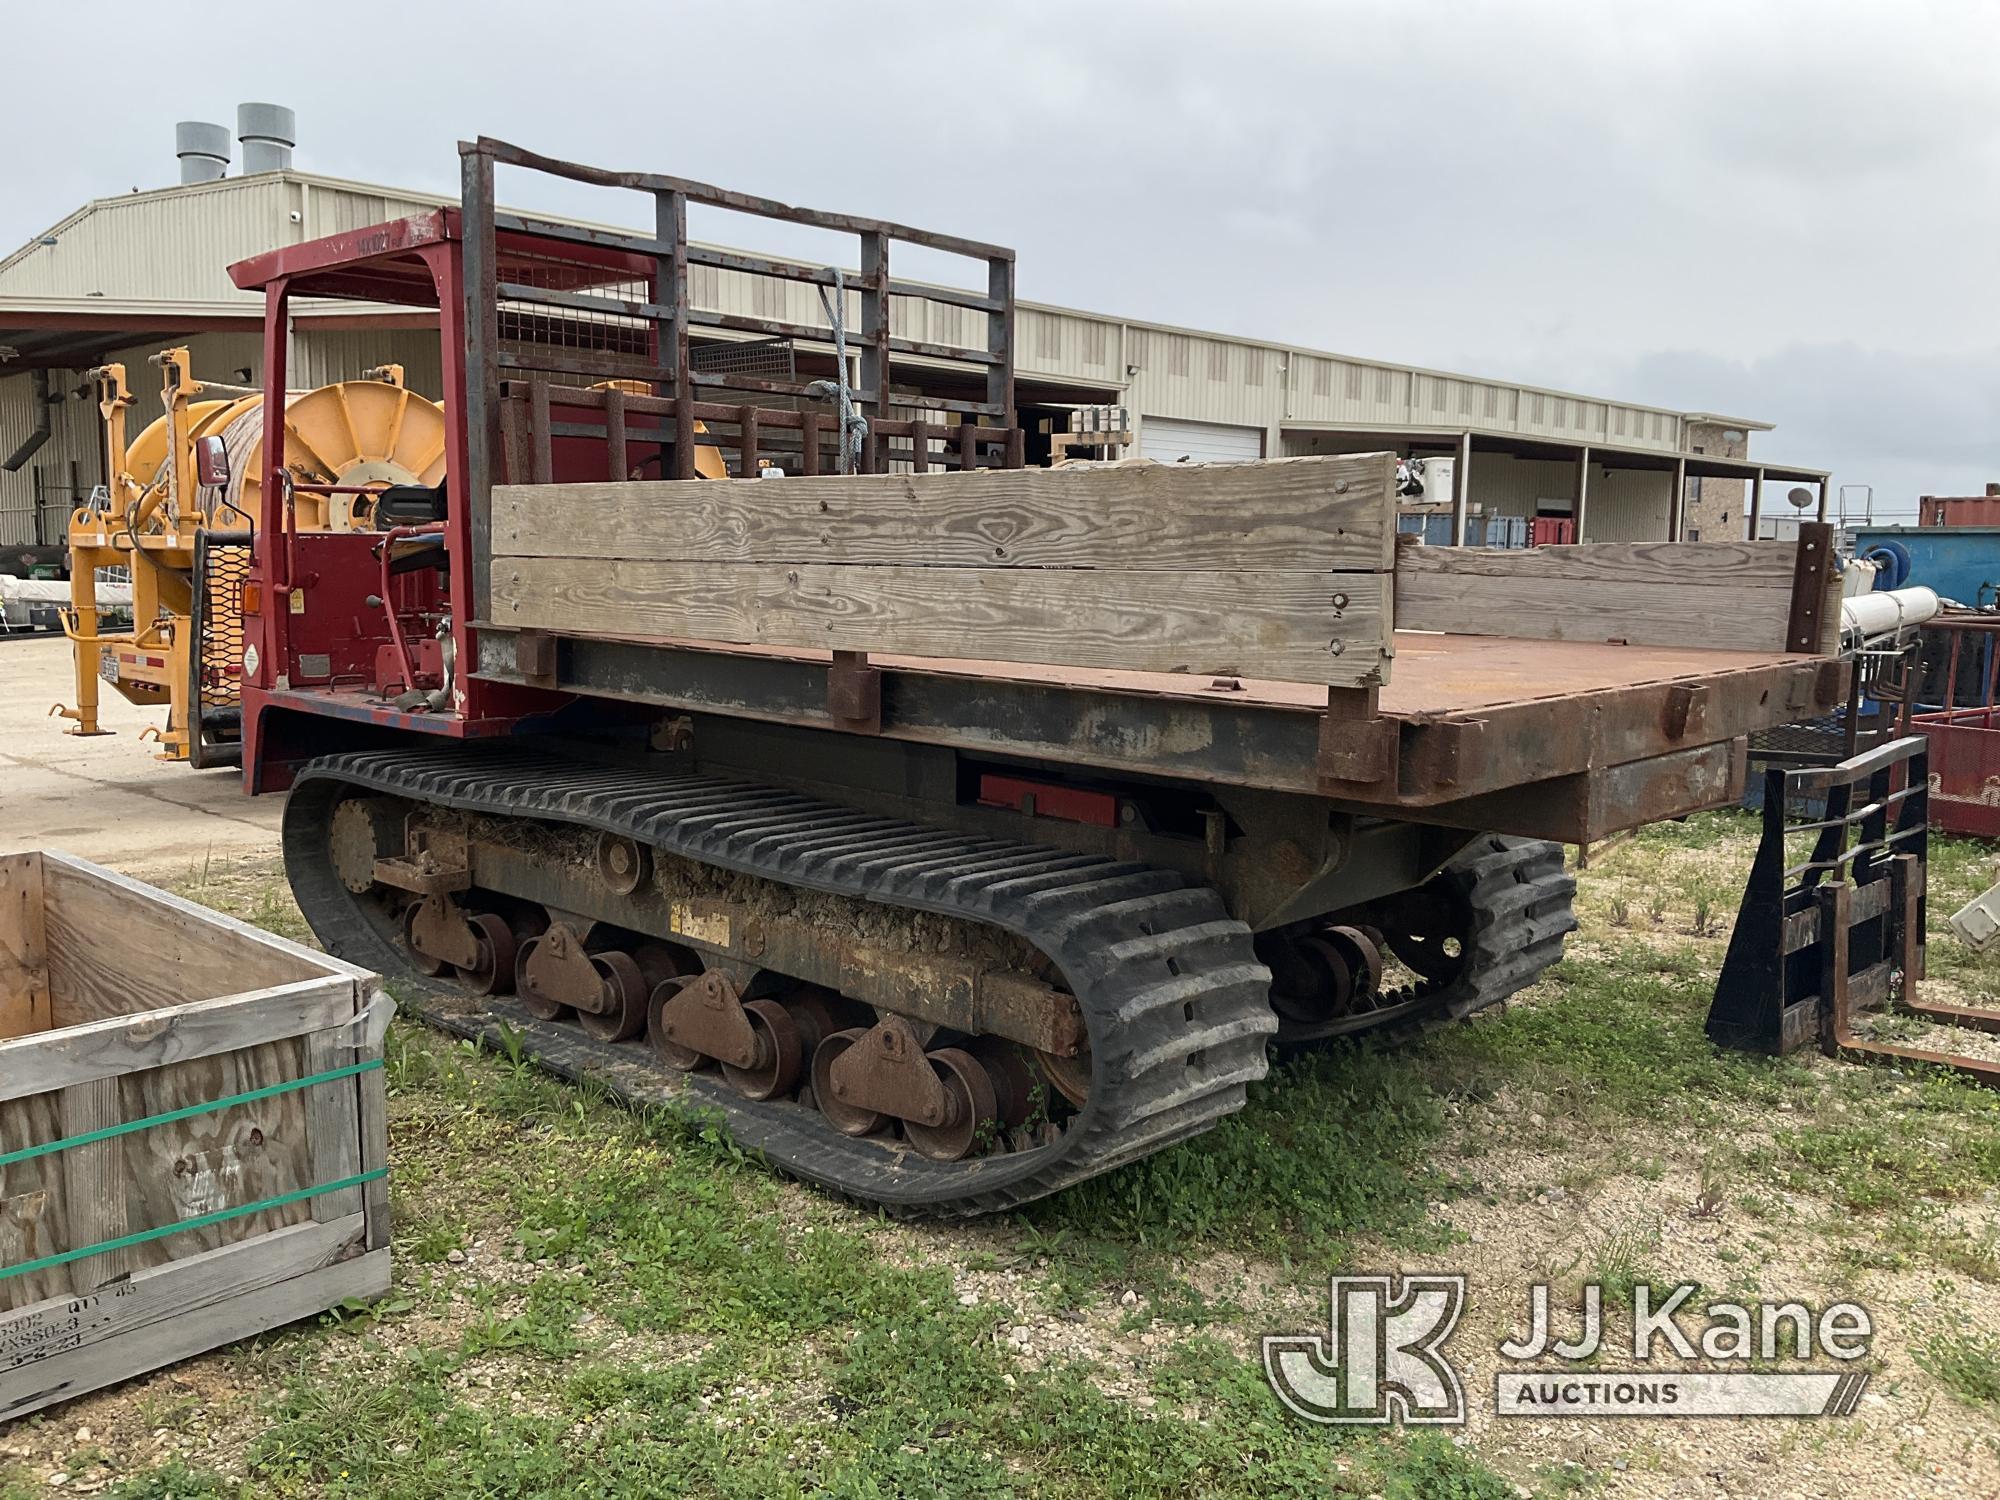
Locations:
(580, 332)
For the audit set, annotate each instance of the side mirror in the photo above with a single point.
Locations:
(211, 461)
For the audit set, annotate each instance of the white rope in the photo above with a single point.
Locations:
(853, 426)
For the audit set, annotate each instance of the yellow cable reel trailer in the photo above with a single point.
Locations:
(708, 460)
(178, 513)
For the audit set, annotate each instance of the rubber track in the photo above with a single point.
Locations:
(1522, 909)
(1175, 1002)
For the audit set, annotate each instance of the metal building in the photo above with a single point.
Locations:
(123, 277)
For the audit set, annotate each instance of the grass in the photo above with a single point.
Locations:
(1966, 1364)
(1330, 1147)
(639, 1308)
(674, 1322)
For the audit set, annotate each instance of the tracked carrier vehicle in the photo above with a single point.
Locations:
(960, 829)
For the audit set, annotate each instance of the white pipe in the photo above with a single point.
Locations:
(1865, 616)
(56, 591)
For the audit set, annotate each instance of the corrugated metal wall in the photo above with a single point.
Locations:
(174, 246)
(322, 356)
(178, 244)
(1628, 505)
(74, 453)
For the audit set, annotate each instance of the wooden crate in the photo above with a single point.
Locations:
(119, 1004)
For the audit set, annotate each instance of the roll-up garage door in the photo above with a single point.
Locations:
(1198, 442)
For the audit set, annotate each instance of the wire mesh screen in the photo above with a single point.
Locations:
(598, 315)
(221, 567)
(767, 359)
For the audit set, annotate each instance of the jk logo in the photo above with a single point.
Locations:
(1381, 1361)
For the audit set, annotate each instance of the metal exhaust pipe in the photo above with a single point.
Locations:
(44, 424)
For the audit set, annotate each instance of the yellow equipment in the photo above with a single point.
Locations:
(186, 544)
(708, 460)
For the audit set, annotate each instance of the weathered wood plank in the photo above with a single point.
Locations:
(34, 1218)
(333, 1114)
(374, 1122)
(1290, 626)
(165, 1340)
(93, 1182)
(1717, 596)
(24, 959)
(117, 947)
(1298, 514)
(220, 1159)
(61, 1323)
(118, 1045)
(1737, 564)
(1639, 614)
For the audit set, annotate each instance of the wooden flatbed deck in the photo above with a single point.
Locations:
(1436, 676)
(1255, 625)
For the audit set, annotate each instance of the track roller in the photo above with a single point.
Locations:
(848, 1118)
(762, 1045)
(780, 1052)
(622, 993)
(970, 1107)
(949, 1101)
(479, 945)
(492, 971)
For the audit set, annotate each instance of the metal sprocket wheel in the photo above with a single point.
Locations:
(1429, 935)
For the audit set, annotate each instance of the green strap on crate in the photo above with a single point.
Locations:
(90, 1137)
(249, 1096)
(220, 1216)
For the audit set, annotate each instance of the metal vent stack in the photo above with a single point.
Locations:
(203, 149)
(268, 133)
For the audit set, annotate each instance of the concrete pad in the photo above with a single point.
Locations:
(107, 798)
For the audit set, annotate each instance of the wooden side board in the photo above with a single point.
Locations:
(117, 947)
(183, 1321)
(1295, 627)
(1274, 570)
(1285, 515)
(1710, 595)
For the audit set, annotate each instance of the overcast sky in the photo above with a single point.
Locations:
(1784, 211)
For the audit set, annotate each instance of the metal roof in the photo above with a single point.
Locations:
(1614, 455)
(112, 246)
